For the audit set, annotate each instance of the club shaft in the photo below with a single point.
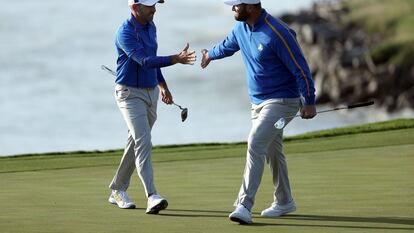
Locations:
(177, 105)
(108, 70)
(357, 105)
(318, 112)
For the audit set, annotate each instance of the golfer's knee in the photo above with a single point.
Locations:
(257, 149)
(143, 142)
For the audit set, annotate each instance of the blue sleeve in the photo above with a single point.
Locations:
(289, 52)
(134, 49)
(160, 77)
(226, 48)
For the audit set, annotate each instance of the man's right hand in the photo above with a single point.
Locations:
(185, 57)
(308, 111)
(205, 59)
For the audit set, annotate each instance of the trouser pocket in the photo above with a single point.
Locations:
(121, 92)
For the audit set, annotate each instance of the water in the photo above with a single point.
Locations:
(54, 97)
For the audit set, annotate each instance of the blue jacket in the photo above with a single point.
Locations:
(275, 65)
(138, 64)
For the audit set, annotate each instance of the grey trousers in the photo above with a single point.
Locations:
(139, 110)
(265, 144)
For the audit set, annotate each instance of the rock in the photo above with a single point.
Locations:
(307, 34)
(339, 58)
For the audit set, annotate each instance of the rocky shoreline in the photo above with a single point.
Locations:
(343, 70)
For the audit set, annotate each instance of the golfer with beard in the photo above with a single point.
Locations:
(139, 83)
(279, 84)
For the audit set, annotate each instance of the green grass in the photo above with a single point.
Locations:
(366, 128)
(394, 20)
(358, 182)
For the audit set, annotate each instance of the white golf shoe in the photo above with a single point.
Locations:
(241, 215)
(277, 210)
(121, 199)
(156, 203)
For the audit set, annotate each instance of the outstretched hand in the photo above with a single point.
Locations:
(185, 57)
(205, 60)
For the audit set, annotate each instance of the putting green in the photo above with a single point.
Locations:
(349, 183)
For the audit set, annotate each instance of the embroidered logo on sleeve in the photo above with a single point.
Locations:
(260, 47)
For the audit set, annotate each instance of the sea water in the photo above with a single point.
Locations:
(54, 96)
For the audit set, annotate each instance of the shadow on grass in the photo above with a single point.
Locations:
(331, 226)
(387, 220)
(196, 213)
(301, 217)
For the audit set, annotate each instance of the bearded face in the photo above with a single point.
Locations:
(146, 12)
(241, 13)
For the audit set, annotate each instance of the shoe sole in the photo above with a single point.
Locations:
(113, 202)
(289, 211)
(156, 209)
(282, 214)
(128, 207)
(241, 221)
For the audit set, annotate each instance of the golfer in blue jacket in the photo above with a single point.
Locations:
(139, 83)
(279, 84)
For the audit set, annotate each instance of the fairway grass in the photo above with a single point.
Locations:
(348, 183)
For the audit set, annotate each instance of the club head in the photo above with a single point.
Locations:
(184, 114)
(280, 124)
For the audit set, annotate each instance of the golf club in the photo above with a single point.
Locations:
(108, 70)
(280, 124)
(184, 111)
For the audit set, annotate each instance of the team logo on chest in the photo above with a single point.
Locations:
(260, 47)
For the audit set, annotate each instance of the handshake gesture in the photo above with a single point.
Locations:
(189, 57)
(185, 57)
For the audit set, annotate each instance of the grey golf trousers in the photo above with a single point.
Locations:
(265, 144)
(139, 110)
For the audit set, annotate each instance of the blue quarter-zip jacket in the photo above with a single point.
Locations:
(275, 65)
(138, 64)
